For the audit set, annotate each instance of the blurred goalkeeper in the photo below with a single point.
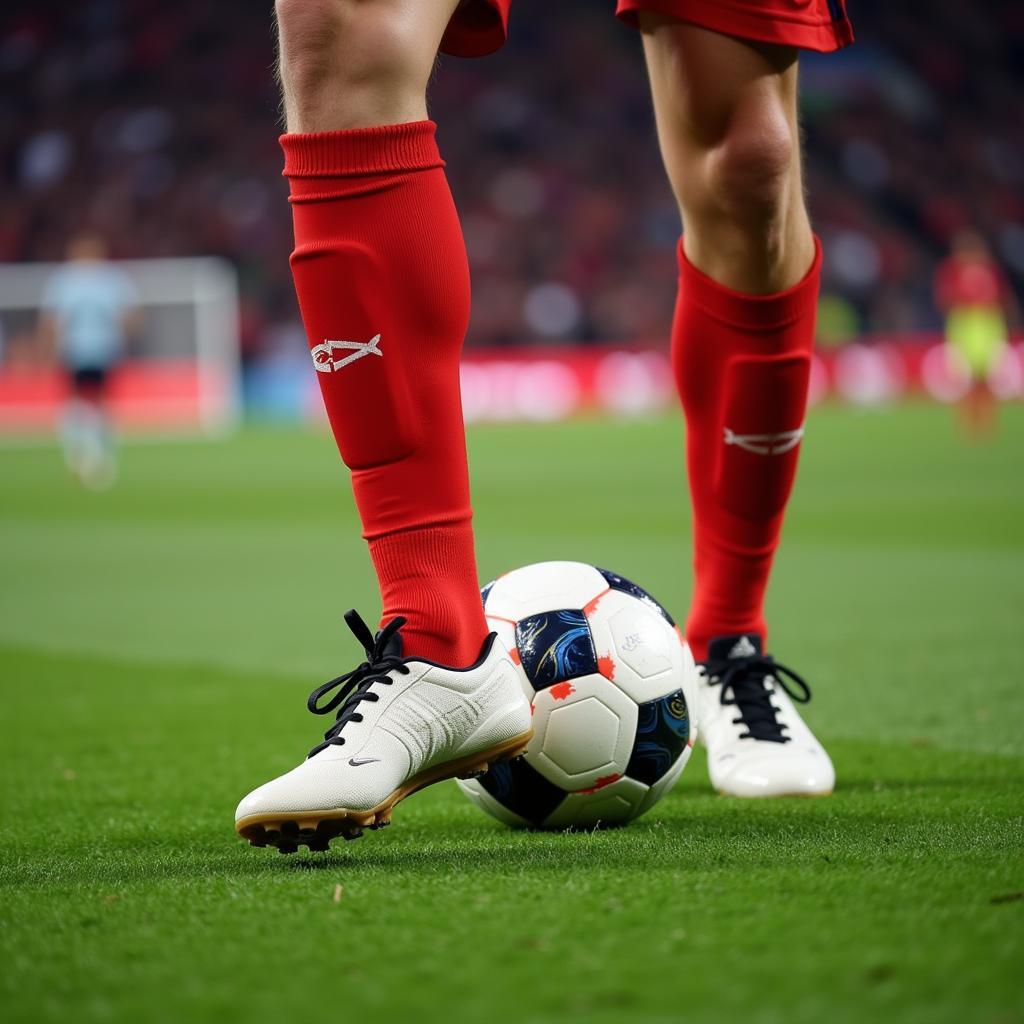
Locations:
(89, 307)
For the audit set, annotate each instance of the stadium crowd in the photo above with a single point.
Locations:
(155, 123)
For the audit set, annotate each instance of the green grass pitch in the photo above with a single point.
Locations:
(157, 644)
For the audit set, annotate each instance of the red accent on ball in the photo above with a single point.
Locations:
(591, 606)
(604, 780)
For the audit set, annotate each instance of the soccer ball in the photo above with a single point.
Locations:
(611, 683)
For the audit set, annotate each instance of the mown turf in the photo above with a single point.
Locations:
(157, 644)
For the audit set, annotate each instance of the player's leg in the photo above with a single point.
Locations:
(980, 410)
(382, 281)
(85, 431)
(74, 425)
(975, 341)
(379, 252)
(742, 340)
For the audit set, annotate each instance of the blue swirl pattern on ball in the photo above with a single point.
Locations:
(555, 646)
(662, 732)
(523, 790)
(617, 582)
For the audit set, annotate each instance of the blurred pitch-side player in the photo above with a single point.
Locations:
(971, 290)
(380, 272)
(88, 308)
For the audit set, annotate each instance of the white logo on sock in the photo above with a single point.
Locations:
(765, 444)
(743, 648)
(323, 355)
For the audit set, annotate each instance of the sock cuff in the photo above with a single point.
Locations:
(354, 151)
(751, 312)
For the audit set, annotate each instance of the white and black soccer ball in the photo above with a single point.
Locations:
(611, 682)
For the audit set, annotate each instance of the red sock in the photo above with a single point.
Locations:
(382, 280)
(742, 365)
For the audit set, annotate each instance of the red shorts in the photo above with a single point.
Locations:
(479, 26)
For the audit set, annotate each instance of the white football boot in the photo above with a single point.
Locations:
(402, 724)
(758, 745)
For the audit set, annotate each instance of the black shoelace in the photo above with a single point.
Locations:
(745, 680)
(352, 688)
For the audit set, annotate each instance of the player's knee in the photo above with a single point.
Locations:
(750, 172)
(357, 57)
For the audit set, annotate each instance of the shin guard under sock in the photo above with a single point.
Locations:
(742, 366)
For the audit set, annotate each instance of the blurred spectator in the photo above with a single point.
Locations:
(155, 123)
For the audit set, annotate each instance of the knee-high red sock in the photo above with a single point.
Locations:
(742, 366)
(383, 285)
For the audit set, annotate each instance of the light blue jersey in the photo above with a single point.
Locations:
(89, 302)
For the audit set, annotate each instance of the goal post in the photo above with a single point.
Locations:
(181, 369)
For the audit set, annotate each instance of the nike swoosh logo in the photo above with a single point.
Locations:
(357, 761)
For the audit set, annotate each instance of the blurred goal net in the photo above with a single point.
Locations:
(180, 371)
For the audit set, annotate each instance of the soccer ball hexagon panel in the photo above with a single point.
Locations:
(612, 686)
(583, 733)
